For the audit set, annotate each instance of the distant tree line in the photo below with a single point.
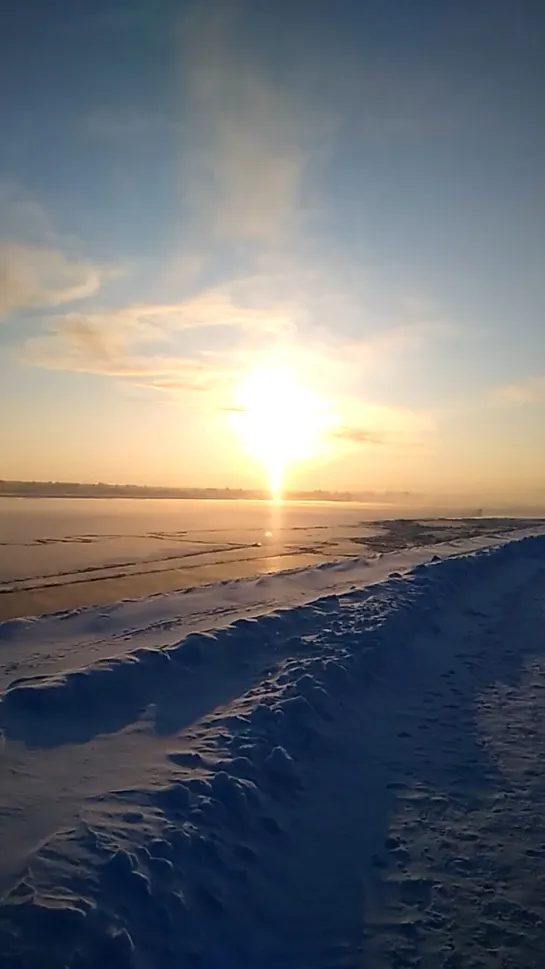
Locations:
(77, 489)
(100, 489)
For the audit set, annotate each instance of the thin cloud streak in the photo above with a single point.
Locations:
(36, 276)
(118, 342)
(363, 424)
(357, 435)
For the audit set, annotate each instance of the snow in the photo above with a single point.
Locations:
(73, 638)
(310, 770)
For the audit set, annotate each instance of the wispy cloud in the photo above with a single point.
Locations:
(35, 276)
(357, 435)
(401, 429)
(247, 149)
(148, 340)
(251, 139)
(78, 345)
(172, 351)
(530, 390)
(216, 336)
(395, 344)
(38, 267)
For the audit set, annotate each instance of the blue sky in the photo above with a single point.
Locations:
(193, 193)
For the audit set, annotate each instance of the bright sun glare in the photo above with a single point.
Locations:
(280, 421)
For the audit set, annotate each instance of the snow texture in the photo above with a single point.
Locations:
(301, 751)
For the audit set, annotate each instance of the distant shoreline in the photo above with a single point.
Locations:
(68, 489)
(152, 497)
(412, 503)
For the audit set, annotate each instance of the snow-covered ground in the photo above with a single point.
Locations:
(333, 767)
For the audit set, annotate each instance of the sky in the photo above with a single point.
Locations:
(337, 207)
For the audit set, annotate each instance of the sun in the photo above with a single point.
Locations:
(280, 421)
